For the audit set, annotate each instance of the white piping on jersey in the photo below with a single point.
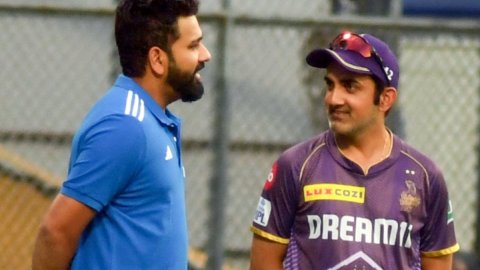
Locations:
(419, 164)
(135, 106)
(307, 160)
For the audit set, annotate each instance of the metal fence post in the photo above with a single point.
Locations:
(476, 242)
(220, 143)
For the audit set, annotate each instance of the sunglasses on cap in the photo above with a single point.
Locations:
(354, 42)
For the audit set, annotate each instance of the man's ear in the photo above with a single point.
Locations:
(388, 98)
(157, 60)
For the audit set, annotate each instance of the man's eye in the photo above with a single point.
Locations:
(194, 46)
(349, 86)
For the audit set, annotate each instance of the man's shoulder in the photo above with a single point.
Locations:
(117, 112)
(417, 156)
(410, 150)
(118, 102)
(302, 150)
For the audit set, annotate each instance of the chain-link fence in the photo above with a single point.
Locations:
(57, 59)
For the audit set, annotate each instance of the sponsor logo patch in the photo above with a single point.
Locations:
(334, 192)
(271, 177)
(262, 215)
(450, 212)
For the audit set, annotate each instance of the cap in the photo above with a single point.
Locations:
(355, 62)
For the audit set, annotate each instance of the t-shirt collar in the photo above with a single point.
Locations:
(165, 117)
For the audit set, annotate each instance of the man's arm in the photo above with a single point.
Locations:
(59, 233)
(266, 254)
(437, 263)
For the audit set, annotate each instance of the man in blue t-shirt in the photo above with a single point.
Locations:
(122, 205)
(355, 196)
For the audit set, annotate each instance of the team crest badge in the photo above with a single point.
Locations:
(409, 199)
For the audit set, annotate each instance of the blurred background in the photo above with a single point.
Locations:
(58, 57)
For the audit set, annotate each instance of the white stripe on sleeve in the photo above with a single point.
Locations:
(128, 103)
(135, 106)
(142, 111)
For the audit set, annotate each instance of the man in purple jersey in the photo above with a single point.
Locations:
(356, 196)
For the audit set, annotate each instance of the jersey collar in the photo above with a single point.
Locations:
(165, 117)
(352, 166)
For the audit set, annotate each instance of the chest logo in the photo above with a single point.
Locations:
(409, 199)
(168, 154)
(334, 192)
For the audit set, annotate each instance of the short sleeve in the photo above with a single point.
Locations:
(104, 159)
(276, 208)
(438, 234)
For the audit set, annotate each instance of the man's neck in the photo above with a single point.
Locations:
(366, 149)
(157, 90)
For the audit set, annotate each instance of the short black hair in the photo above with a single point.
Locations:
(142, 24)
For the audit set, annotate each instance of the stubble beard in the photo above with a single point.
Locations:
(350, 127)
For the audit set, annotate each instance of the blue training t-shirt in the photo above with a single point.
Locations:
(126, 165)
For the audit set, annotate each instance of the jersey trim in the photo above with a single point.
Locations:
(269, 236)
(442, 252)
(308, 159)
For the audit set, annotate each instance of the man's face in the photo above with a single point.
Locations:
(349, 101)
(188, 56)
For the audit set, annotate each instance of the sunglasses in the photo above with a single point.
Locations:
(354, 42)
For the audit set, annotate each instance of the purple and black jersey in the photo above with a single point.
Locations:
(333, 216)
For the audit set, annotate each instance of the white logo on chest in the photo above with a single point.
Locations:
(168, 154)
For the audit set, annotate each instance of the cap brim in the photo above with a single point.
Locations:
(352, 61)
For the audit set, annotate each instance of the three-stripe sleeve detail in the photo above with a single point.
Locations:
(134, 106)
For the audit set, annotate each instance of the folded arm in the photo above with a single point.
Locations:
(437, 263)
(59, 233)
